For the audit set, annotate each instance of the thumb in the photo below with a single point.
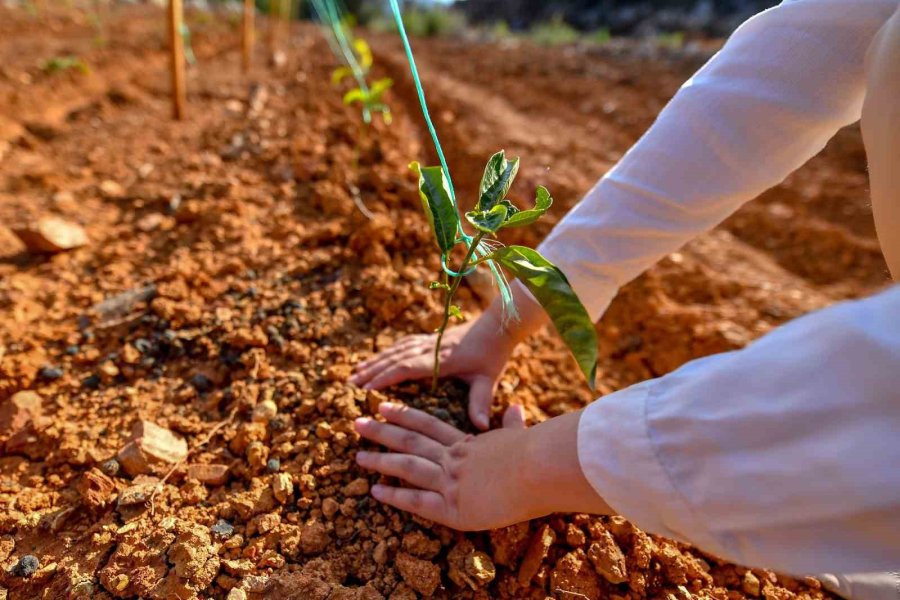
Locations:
(514, 417)
(481, 393)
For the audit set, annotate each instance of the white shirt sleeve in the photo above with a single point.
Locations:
(784, 83)
(782, 455)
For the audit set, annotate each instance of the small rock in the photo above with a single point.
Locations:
(152, 449)
(608, 559)
(257, 455)
(91, 382)
(330, 507)
(265, 411)
(222, 529)
(357, 487)
(51, 235)
(201, 382)
(480, 569)
(95, 489)
(50, 373)
(26, 567)
(236, 594)
(323, 431)
(139, 493)
(112, 188)
(212, 474)
(110, 467)
(421, 575)
(273, 465)
(750, 584)
(18, 411)
(537, 551)
(282, 487)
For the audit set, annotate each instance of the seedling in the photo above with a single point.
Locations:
(370, 98)
(58, 64)
(491, 213)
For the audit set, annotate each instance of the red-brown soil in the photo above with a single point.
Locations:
(256, 284)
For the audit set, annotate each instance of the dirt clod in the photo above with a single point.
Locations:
(152, 449)
(421, 575)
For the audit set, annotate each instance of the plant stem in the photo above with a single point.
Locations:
(448, 302)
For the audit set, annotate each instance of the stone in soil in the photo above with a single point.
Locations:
(26, 567)
(18, 411)
(152, 449)
(421, 575)
(212, 474)
(608, 559)
(51, 235)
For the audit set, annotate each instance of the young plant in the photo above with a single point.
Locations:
(370, 98)
(491, 213)
(58, 64)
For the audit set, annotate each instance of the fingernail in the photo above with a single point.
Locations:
(361, 456)
(361, 422)
(376, 491)
(368, 386)
(387, 406)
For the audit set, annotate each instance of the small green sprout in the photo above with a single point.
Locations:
(58, 64)
(493, 212)
(371, 99)
(363, 57)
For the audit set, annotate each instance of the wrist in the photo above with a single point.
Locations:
(552, 471)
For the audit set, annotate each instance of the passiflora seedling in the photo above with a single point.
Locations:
(491, 213)
(371, 99)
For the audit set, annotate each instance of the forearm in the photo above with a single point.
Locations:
(752, 455)
(785, 82)
(552, 474)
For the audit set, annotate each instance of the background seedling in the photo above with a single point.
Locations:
(58, 64)
(491, 213)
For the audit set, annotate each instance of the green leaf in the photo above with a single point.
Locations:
(378, 89)
(355, 95)
(498, 177)
(364, 53)
(488, 221)
(437, 285)
(438, 205)
(456, 312)
(339, 74)
(552, 290)
(542, 203)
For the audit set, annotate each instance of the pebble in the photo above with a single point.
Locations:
(264, 411)
(222, 529)
(50, 235)
(50, 373)
(91, 382)
(237, 594)
(273, 465)
(110, 467)
(201, 382)
(26, 567)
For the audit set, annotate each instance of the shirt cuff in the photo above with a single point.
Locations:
(622, 464)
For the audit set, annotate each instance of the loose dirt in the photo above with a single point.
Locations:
(174, 413)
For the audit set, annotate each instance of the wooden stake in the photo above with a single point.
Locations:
(176, 20)
(248, 35)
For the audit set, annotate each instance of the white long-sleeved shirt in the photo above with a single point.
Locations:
(785, 454)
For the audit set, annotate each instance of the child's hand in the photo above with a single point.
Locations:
(478, 482)
(474, 352)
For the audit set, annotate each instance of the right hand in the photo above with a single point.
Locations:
(475, 352)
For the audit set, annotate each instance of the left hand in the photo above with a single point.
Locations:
(472, 483)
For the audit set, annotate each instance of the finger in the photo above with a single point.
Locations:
(417, 420)
(400, 439)
(481, 394)
(514, 417)
(409, 368)
(412, 469)
(366, 373)
(428, 505)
